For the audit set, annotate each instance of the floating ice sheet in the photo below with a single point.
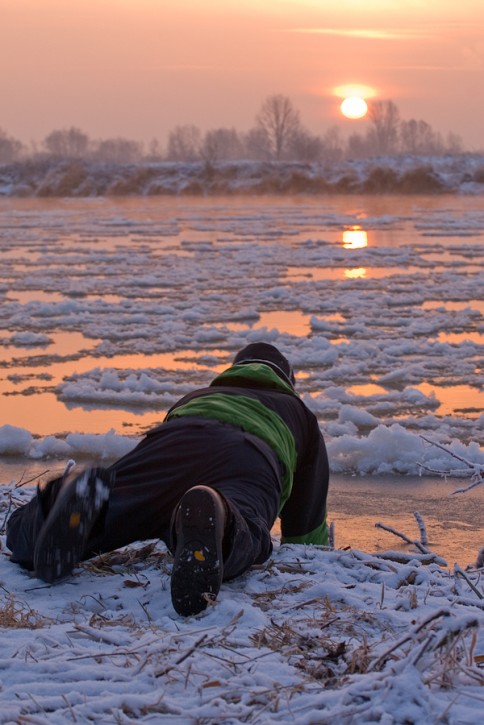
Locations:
(127, 304)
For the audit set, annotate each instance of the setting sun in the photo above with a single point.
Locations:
(354, 107)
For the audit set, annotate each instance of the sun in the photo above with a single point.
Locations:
(354, 99)
(354, 107)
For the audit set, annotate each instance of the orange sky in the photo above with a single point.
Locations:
(137, 68)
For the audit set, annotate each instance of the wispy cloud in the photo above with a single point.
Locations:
(437, 68)
(364, 33)
(186, 66)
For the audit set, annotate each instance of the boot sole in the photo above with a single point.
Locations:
(198, 564)
(64, 535)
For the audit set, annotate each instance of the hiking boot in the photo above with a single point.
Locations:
(64, 535)
(199, 524)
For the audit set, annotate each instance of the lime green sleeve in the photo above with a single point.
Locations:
(319, 535)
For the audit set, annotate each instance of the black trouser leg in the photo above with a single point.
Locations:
(24, 524)
(151, 479)
(247, 542)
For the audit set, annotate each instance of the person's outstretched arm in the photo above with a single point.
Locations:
(303, 517)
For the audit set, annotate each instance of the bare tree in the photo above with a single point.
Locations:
(304, 146)
(279, 121)
(418, 137)
(10, 148)
(67, 143)
(221, 143)
(332, 145)
(385, 119)
(408, 137)
(454, 144)
(155, 151)
(360, 146)
(184, 143)
(119, 151)
(256, 145)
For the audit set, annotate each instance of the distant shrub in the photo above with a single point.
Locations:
(421, 180)
(267, 184)
(220, 187)
(380, 179)
(159, 188)
(478, 175)
(297, 182)
(347, 184)
(47, 177)
(62, 180)
(193, 188)
(22, 190)
(95, 184)
(28, 171)
(134, 181)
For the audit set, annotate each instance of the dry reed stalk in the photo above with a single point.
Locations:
(125, 560)
(405, 538)
(474, 470)
(15, 615)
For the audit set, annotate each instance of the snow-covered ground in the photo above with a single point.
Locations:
(109, 311)
(312, 636)
(44, 177)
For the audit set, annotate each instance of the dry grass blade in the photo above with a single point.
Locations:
(127, 559)
(15, 615)
(460, 572)
(411, 636)
(475, 470)
(405, 538)
(403, 558)
(184, 656)
(422, 528)
(267, 600)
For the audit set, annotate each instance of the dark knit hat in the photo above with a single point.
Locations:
(263, 352)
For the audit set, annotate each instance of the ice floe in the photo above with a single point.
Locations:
(152, 297)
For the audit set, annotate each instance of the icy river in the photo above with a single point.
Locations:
(111, 309)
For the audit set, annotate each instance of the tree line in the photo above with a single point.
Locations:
(277, 135)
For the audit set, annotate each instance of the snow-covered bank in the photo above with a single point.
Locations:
(313, 635)
(400, 174)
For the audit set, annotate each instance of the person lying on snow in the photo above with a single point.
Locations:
(209, 481)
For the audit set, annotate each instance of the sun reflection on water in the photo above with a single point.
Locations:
(318, 274)
(357, 273)
(355, 238)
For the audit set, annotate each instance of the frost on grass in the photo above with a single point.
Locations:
(313, 635)
(397, 174)
(465, 468)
